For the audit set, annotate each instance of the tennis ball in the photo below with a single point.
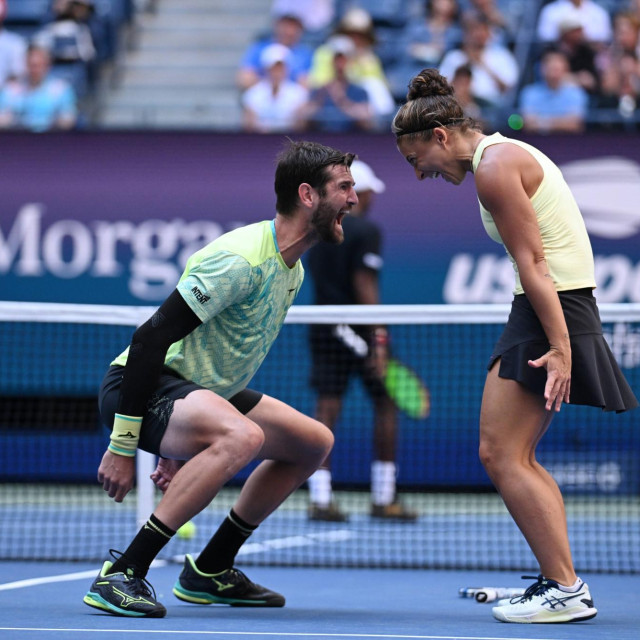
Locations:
(187, 531)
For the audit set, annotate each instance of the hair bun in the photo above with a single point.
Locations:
(428, 83)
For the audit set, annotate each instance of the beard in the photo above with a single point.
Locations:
(324, 223)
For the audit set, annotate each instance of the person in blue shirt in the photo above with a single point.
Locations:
(40, 102)
(287, 31)
(554, 104)
(339, 106)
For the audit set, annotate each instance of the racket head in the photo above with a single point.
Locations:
(406, 390)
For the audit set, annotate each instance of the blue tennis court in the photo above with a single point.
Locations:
(359, 579)
(44, 601)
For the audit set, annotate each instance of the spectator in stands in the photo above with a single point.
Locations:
(274, 103)
(619, 66)
(13, 51)
(69, 37)
(288, 31)
(339, 105)
(494, 68)
(594, 19)
(316, 15)
(580, 54)
(632, 7)
(38, 103)
(461, 83)
(429, 39)
(500, 26)
(364, 67)
(554, 104)
(70, 41)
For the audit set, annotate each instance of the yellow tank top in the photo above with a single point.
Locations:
(566, 244)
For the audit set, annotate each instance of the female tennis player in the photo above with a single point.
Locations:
(552, 349)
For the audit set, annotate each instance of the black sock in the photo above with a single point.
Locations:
(144, 548)
(220, 552)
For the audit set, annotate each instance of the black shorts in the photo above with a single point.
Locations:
(171, 387)
(596, 379)
(338, 353)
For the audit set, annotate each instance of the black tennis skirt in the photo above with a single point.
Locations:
(596, 379)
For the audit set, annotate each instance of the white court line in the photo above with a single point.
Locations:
(289, 542)
(278, 634)
(336, 535)
(64, 577)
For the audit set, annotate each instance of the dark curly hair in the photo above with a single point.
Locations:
(431, 103)
(302, 162)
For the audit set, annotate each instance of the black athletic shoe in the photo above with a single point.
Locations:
(227, 587)
(123, 594)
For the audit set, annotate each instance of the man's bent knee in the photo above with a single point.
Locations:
(324, 440)
(247, 436)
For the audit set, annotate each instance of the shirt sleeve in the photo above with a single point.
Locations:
(451, 61)
(577, 101)
(18, 66)
(217, 282)
(251, 57)
(68, 108)
(547, 29)
(528, 102)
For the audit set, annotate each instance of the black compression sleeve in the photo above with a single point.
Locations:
(171, 322)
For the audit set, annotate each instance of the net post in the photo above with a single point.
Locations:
(145, 465)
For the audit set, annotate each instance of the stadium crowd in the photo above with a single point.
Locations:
(51, 54)
(558, 66)
(344, 65)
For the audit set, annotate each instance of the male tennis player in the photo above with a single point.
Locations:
(180, 391)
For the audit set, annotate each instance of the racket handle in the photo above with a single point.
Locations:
(468, 592)
(490, 594)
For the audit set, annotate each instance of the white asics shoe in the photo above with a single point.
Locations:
(544, 601)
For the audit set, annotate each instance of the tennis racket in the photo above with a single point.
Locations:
(407, 390)
(490, 594)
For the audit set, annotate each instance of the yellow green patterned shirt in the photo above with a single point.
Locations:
(241, 289)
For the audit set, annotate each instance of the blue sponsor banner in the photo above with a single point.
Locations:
(111, 218)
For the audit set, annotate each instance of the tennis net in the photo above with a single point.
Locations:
(53, 357)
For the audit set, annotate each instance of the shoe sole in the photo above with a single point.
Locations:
(548, 618)
(201, 597)
(97, 602)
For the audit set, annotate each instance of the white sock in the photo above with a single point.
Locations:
(383, 482)
(573, 588)
(320, 488)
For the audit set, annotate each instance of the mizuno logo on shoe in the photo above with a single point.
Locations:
(127, 600)
(222, 586)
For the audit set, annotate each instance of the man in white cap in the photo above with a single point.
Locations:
(274, 102)
(349, 274)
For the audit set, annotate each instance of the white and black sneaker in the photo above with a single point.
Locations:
(545, 601)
